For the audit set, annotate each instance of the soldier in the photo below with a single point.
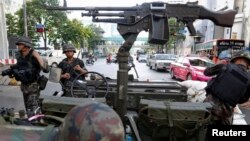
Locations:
(92, 121)
(229, 88)
(71, 68)
(27, 70)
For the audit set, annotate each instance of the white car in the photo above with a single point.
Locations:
(142, 58)
(53, 57)
(161, 61)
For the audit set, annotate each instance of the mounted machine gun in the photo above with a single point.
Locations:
(152, 17)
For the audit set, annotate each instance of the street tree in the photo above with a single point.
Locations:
(96, 36)
(11, 22)
(58, 29)
(74, 31)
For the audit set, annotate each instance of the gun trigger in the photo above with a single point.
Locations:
(191, 28)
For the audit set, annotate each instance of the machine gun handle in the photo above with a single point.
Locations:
(222, 18)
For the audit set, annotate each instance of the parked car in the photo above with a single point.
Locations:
(161, 61)
(53, 57)
(148, 59)
(190, 68)
(142, 58)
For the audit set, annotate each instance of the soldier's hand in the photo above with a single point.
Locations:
(246, 105)
(66, 76)
(77, 67)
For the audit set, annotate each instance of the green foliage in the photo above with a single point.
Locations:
(11, 21)
(96, 36)
(174, 28)
(74, 31)
(58, 28)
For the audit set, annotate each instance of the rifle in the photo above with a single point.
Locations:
(152, 17)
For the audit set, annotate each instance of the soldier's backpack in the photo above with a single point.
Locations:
(230, 84)
(173, 121)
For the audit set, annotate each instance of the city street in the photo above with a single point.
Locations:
(110, 70)
(11, 96)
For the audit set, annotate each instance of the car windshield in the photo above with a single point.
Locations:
(143, 56)
(201, 63)
(173, 57)
(163, 57)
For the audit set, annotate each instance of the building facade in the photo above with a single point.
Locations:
(209, 31)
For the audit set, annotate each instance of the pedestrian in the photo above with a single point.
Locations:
(27, 70)
(229, 87)
(71, 68)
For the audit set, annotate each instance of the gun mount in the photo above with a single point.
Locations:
(152, 17)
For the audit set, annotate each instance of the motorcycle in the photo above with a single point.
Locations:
(108, 61)
(90, 61)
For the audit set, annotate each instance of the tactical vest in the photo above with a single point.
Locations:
(28, 69)
(230, 85)
(68, 68)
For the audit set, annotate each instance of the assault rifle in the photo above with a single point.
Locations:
(152, 17)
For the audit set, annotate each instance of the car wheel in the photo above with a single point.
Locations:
(172, 74)
(150, 66)
(189, 77)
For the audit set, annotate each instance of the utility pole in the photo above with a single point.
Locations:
(4, 46)
(25, 19)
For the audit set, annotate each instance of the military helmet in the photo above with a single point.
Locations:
(69, 47)
(25, 41)
(92, 121)
(241, 54)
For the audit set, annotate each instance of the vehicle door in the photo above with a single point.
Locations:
(152, 62)
(184, 68)
(176, 65)
(148, 59)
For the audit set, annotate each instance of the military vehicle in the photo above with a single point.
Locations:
(150, 111)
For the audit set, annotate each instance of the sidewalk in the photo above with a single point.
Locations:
(11, 97)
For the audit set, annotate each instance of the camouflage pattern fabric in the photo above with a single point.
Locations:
(221, 113)
(31, 93)
(10, 134)
(92, 121)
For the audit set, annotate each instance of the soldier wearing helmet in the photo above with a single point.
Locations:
(92, 121)
(229, 88)
(71, 68)
(27, 70)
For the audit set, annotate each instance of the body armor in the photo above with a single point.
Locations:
(230, 85)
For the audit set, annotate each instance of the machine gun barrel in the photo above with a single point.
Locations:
(92, 8)
(103, 14)
(116, 20)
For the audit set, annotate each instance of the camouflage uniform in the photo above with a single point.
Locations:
(31, 93)
(222, 112)
(92, 121)
(30, 89)
(10, 134)
(68, 68)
